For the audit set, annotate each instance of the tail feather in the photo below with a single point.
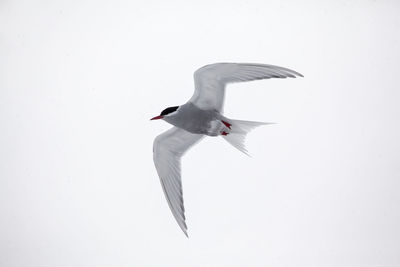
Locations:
(238, 132)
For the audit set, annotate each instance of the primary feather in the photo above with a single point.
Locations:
(210, 80)
(168, 148)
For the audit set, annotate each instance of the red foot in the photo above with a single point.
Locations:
(227, 124)
(224, 133)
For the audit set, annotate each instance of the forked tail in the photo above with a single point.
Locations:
(238, 131)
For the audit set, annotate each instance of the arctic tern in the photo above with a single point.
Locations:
(202, 116)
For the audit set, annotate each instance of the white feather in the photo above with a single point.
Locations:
(210, 80)
(168, 148)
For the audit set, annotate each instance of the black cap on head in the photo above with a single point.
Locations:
(168, 110)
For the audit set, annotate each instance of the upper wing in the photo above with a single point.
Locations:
(210, 80)
(168, 148)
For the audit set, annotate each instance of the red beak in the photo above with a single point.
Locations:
(157, 118)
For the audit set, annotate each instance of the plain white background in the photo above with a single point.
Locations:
(79, 81)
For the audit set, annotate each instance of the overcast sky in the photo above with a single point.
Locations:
(79, 81)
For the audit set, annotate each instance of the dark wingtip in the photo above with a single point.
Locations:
(296, 74)
(185, 232)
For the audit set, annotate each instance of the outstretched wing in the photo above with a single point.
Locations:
(210, 80)
(168, 148)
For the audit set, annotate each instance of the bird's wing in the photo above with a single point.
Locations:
(210, 80)
(168, 148)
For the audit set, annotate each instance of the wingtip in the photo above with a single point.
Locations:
(184, 230)
(183, 227)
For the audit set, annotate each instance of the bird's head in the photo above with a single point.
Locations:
(165, 113)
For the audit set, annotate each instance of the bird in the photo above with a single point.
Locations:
(203, 116)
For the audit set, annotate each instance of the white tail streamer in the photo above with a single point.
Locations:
(239, 129)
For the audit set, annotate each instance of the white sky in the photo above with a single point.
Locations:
(79, 81)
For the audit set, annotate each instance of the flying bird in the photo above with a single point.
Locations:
(202, 116)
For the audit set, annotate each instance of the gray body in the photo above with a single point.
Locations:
(198, 121)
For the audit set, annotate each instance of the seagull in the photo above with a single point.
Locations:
(202, 116)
